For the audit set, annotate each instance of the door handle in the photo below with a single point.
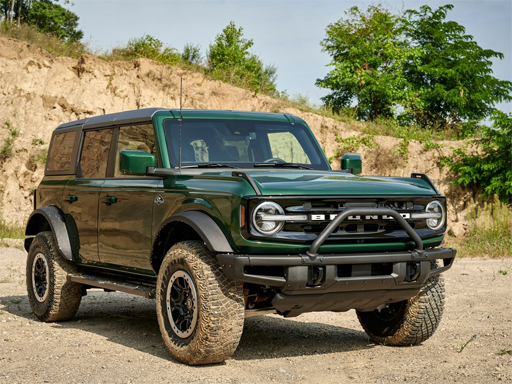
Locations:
(109, 199)
(71, 198)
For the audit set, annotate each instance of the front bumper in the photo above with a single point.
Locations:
(338, 282)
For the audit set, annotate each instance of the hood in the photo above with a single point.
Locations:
(315, 183)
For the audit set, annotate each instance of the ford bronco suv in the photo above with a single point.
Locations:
(221, 215)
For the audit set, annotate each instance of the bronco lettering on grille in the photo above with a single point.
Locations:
(357, 218)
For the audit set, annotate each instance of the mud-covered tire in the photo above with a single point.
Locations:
(409, 322)
(51, 296)
(200, 312)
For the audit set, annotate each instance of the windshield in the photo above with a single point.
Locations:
(242, 144)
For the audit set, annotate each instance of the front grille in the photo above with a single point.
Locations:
(320, 211)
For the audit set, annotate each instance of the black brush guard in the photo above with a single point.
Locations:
(311, 281)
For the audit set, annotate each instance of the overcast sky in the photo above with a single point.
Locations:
(286, 33)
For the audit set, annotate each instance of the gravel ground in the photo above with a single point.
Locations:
(114, 338)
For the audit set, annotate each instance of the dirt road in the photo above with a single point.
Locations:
(114, 338)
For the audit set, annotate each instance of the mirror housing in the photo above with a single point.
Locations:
(136, 162)
(353, 162)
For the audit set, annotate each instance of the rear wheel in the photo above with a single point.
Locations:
(51, 296)
(200, 312)
(408, 322)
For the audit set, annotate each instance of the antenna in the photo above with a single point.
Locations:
(181, 116)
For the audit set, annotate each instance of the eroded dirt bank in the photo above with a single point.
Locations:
(38, 92)
(114, 338)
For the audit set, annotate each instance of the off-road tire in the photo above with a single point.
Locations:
(414, 321)
(220, 306)
(61, 298)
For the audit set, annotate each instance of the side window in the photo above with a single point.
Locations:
(284, 145)
(134, 137)
(94, 158)
(60, 156)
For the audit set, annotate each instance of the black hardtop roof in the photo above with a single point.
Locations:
(138, 116)
(127, 117)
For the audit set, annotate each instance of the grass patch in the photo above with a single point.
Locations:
(6, 148)
(46, 41)
(352, 144)
(11, 231)
(489, 231)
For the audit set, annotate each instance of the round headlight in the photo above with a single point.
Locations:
(261, 220)
(436, 207)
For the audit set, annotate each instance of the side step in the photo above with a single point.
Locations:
(113, 284)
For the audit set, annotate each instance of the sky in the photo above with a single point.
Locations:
(286, 33)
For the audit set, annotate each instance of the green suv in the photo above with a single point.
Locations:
(222, 215)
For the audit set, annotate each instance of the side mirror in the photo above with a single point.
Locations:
(353, 162)
(136, 162)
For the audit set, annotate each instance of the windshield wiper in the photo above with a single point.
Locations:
(282, 165)
(208, 165)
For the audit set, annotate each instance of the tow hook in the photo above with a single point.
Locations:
(413, 270)
(316, 276)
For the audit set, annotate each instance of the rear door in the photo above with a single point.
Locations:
(81, 194)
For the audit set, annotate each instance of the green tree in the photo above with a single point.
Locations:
(368, 55)
(230, 60)
(491, 168)
(418, 68)
(452, 79)
(44, 15)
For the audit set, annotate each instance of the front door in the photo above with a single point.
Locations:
(126, 207)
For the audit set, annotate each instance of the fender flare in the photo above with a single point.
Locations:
(204, 225)
(57, 223)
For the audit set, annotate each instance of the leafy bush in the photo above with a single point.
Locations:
(192, 54)
(489, 169)
(147, 47)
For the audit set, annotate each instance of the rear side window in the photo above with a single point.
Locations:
(61, 153)
(94, 158)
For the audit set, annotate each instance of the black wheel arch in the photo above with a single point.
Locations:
(188, 225)
(51, 218)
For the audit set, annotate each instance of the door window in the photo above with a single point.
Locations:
(94, 158)
(134, 137)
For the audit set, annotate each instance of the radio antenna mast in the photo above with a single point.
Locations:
(181, 116)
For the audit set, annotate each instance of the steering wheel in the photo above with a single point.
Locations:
(274, 160)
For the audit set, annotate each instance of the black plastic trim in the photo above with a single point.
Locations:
(114, 284)
(58, 225)
(249, 179)
(204, 225)
(425, 178)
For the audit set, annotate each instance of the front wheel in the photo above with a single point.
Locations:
(200, 312)
(408, 322)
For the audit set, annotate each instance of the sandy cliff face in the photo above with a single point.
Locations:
(38, 92)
